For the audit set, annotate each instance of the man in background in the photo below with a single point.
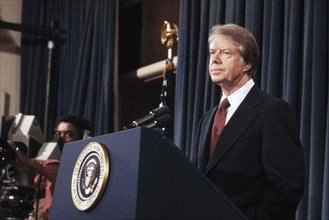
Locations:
(70, 128)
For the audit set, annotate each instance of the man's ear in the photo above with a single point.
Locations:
(247, 67)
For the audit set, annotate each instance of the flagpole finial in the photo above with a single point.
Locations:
(169, 36)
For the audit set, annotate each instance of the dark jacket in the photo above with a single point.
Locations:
(258, 161)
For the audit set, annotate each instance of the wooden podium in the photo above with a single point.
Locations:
(149, 178)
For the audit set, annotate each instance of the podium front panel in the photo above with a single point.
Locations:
(150, 178)
(119, 198)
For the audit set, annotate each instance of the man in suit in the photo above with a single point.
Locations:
(257, 160)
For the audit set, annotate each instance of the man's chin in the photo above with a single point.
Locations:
(216, 80)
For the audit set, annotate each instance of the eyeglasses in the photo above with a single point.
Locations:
(67, 134)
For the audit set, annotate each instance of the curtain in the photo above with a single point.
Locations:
(82, 67)
(293, 40)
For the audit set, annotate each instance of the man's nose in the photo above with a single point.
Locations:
(62, 135)
(216, 58)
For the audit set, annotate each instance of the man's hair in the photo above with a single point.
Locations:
(80, 123)
(245, 41)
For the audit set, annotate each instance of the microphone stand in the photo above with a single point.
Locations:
(51, 46)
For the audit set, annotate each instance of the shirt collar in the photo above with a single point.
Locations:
(237, 96)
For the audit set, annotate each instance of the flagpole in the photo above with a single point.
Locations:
(169, 36)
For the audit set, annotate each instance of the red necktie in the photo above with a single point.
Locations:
(219, 123)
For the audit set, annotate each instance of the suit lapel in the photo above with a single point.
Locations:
(206, 129)
(240, 121)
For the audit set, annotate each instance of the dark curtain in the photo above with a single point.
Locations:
(293, 40)
(82, 65)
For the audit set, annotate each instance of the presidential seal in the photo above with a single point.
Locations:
(90, 176)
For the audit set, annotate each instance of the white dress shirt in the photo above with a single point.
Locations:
(236, 98)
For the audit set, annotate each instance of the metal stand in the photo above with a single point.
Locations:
(51, 33)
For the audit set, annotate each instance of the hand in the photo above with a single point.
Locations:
(47, 168)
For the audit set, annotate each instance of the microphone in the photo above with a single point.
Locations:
(162, 121)
(155, 113)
